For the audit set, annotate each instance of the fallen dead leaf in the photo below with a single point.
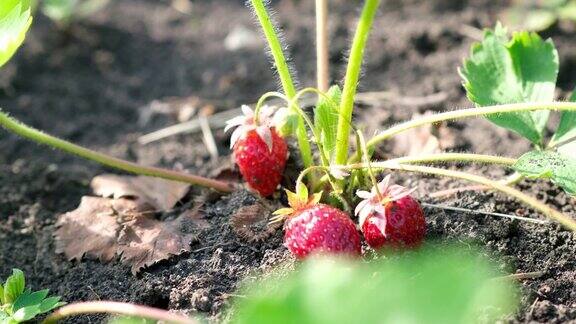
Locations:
(252, 223)
(122, 223)
(145, 241)
(159, 194)
(423, 140)
(92, 229)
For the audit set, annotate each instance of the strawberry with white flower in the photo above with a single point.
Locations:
(389, 216)
(260, 152)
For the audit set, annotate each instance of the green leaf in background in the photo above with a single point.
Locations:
(1, 294)
(326, 119)
(559, 168)
(503, 71)
(65, 11)
(567, 127)
(568, 149)
(433, 285)
(14, 286)
(15, 20)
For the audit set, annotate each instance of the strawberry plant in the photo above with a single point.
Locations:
(511, 81)
(451, 286)
(18, 304)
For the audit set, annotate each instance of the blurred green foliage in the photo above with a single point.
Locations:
(537, 15)
(434, 285)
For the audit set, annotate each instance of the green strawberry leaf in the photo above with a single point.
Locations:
(14, 286)
(1, 294)
(29, 299)
(559, 168)
(503, 71)
(432, 285)
(26, 313)
(15, 20)
(49, 304)
(326, 119)
(567, 127)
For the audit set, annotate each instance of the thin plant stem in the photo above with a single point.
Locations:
(454, 157)
(30, 133)
(509, 181)
(368, 164)
(351, 79)
(284, 73)
(275, 47)
(117, 308)
(322, 45)
(470, 112)
(530, 201)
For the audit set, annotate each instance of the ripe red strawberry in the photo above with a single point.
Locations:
(318, 228)
(391, 218)
(258, 150)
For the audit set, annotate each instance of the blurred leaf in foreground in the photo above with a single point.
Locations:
(15, 20)
(433, 285)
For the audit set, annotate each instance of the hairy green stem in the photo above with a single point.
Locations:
(275, 47)
(351, 79)
(454, 157)
(322, 46)
(117, 308)
(30, 133)
(470, 112)
(284, 74)
(530, 201)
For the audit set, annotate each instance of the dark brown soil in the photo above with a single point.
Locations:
(93, 83)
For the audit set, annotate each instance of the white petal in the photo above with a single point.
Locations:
(247, 111)
(380, 209)
(364, 194)
(266, 111)
(400, 195)
(364, 213)
(383, 185)
(236, 121)
(266, 135)
(279, 117)
(380, 222)
(360, 206)
(236, 135)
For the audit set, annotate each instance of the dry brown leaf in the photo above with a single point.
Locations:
(144, 241)
(92, 229)
(423, 140)
(103, 228)
(160, 194)
(252, 223)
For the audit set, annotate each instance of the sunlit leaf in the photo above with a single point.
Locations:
(14, 286)
(555, 166)
(567, 127)
(15, 20)
(326, 119)
(503, 71)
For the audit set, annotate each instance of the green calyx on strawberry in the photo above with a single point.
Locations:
(389, 216)
(312, 227)
(260, 152)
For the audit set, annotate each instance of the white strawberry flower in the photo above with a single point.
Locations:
(245, 123)
(373, 203)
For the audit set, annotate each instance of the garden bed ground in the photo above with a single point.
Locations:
(94, 85)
